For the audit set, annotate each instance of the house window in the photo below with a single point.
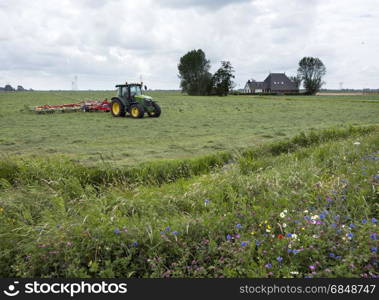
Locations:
(282, 82)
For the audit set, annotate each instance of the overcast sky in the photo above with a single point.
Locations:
(44, 44)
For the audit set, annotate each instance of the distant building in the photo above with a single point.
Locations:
(274, 83)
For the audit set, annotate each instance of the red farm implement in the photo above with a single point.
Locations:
(82, 106)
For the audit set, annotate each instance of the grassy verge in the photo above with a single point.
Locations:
(300, 208)
(64, 171)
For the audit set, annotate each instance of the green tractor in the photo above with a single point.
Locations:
(131, 100)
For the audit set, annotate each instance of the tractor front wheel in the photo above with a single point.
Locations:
(117, 108)
(137, 111)
(157, 111)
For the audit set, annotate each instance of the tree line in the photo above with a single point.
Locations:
(195, 78)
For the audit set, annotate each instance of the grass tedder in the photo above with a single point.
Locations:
(130, 100)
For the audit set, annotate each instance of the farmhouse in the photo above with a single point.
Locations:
(274, 83)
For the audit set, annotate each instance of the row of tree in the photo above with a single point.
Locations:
(9, 88)
(195, 78)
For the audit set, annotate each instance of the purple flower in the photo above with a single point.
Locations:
(237, 236)
(243, 244)
(257, 242)
(312, 267)
(352, 225)
(206, 201)
(228, 237)
(374, 249)
(334, 225)
(289, 234)
(116, 231)
(167, 228)
(295, 251)
(350, 235)
(373, 220)
(364, 221)
(268, 265)
(322, 216)
(373, 236)
(332, 255)
(135, 244)
(289, 250)
(238, 225)
(279, 259)
(175, 233)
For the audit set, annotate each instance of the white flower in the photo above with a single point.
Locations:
(285, 211)
(306, 211)
(294, 272)
(315, 217)
(294, 236)
(268, 230)
(282, 215)
(356, 143)
(284, 225)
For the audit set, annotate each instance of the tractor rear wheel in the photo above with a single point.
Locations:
(117, 108)
(157, 111)
(137, 111)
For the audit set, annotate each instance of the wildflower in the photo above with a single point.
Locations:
(252, 233)
(295, 251)
(206, 201)
(268, 230)
(352, 225)
(289, 234)
(269, 227)
(284, 225)
(280, 236)
(279, 259)
(238, 236)
(257, 242)
(243, 244)
(167, 228)
(1, 209)
(302, 228)
(268, 265)
(125, 230)
(356, 143)
(116, 231)
(332, 255)
(312, 267)
(228, 237)
(373, 220)
(306, 211)
(238, 225)
(282, 215)
(374, 249)
(350, 235)
(135, 244)
(322, 216)
(174, 233)
(289, 250)
(294, 272)
(68, 244)
(373, 236)
(364, 221)
(294, 236)
(285, 211)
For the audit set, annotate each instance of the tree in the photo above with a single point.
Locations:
(222, 79)
(194, 75)
(297, 80)
(311, 70)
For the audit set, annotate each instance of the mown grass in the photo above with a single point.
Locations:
(188, 126)
(300, 207)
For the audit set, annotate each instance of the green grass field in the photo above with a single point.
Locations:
(188, 126)
(239, 186)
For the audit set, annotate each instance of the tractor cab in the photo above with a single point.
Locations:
(128, 91)
(131, 100)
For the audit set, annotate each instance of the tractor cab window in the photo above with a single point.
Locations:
(135, 90)
(124, 91)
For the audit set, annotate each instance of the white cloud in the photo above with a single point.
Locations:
(44, 44)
